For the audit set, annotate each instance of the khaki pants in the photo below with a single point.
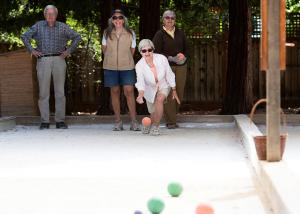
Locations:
(151, 106)
(171, 107)
(55, 66)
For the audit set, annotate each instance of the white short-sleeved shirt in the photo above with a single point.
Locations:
(133, 43)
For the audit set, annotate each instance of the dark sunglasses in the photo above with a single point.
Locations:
(147, 50)
(170, 17)
(118, 17)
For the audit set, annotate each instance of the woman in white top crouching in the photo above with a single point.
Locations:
(155, 79)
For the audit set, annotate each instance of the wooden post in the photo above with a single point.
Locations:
(264, 35)
(273, 81)
(282, 36)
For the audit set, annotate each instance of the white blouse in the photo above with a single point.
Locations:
(145, 78)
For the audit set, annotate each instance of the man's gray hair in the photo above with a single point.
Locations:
(170, 13)
(50, 7)
(144, 43)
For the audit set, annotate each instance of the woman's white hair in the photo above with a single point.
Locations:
(50, 7)
(169, 13)
(144, 43)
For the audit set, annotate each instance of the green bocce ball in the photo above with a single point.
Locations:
(156, 205)
(175, 189)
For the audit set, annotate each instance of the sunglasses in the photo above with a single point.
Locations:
(147, 50)
(118, 17)
(170, 17)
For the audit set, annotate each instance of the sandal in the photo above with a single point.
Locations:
(118, 126)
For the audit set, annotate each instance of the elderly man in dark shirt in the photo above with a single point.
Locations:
(51, 37)
(171, 42)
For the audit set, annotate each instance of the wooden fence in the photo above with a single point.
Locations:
(207, 74)
(205, 80)
(85, 92)
(18, 85)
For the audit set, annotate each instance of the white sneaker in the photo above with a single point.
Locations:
(146, 129)
(154, 130)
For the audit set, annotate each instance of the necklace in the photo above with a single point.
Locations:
(119, 32)
(151, 65)
(154, 71)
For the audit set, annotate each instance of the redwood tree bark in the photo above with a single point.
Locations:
(149, 18)
(106, 8)
(238, 90)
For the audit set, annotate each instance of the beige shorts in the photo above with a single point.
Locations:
(151, 106)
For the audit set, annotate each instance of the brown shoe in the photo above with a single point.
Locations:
(44, 126)
(61, 125)
(172, 126)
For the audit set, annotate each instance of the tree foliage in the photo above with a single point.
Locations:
(210, 16)
(206, 18)
(293, 6)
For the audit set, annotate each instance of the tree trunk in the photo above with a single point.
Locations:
(250, 73)
(106, 8)
(149, 18)
(105, 11)
(238, 93)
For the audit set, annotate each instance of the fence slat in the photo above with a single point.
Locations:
(207, 78)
